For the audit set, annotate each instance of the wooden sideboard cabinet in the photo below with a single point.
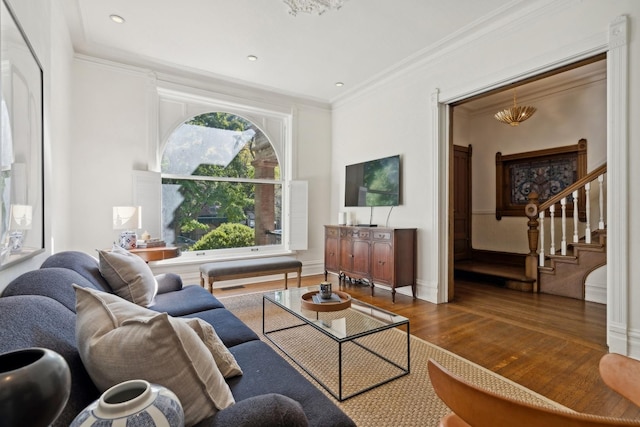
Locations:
(378, 255)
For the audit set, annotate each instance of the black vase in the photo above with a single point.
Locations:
(34, 387)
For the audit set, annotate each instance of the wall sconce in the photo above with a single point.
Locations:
(21, 217)
(128, 219)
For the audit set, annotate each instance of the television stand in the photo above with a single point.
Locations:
(379, 256)
(366, 225)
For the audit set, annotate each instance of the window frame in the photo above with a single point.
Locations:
(176, 106)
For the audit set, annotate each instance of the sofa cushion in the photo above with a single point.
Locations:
(229, 328)
(36, 321)
(118, 341)
(189, 299)
(280, 377)
(128, 275)
(80, 262)
(54, 282)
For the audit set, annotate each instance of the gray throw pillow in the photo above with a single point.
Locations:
(128, 276)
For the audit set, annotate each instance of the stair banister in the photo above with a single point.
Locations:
(575, 186)
(535, 212)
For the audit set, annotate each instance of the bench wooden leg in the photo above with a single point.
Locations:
(210, 286)
(285, 280)
(299, 276)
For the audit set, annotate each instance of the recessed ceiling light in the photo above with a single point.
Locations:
(252, 58)
(117, 19)
(339, 84)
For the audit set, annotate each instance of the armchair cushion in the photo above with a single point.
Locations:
(622, 374)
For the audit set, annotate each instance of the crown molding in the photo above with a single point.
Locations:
(508, 18)
(207, 82)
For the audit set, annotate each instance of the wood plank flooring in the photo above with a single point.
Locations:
(549, 344)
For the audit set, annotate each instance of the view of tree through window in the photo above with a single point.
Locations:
(221, 185)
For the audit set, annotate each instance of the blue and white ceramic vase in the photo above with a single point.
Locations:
(34, 387)
(133, 403)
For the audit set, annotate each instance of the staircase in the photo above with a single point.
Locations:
(566, 274)
(564, 271)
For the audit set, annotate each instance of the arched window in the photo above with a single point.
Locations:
(221, 185)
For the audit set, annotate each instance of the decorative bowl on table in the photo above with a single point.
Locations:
(338, 301)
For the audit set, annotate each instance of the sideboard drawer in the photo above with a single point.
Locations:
(382, 235)
(331, 232)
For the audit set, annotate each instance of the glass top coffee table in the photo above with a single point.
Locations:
(348, 352)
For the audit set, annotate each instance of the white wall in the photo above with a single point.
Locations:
(114, 114)
(395, 116)
(47, 33)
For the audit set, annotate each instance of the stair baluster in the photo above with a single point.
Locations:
(575, 217)
(563, 241)
(552, 229)
(587, 225)
(541, 254)
(601, 187)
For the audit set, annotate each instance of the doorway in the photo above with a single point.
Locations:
(478, 236)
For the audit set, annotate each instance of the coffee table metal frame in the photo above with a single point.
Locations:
(276, 298)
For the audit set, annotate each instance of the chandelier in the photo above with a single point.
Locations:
(313, 6)
(515, 115)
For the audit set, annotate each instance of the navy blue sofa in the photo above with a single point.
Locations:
(37, 309)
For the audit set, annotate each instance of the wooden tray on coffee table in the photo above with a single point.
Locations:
(307, 302)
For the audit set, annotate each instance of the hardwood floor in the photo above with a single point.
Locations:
(549, 344)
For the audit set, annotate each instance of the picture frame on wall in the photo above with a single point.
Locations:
(545, 172)
(21, 144)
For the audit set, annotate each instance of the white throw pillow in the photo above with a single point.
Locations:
(128, 275)
(224, 359)
(119, 341)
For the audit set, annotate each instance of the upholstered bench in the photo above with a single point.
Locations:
(241, 269)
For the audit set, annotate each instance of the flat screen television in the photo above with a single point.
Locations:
(373, 183)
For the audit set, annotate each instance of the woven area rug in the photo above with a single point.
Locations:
(406, 401)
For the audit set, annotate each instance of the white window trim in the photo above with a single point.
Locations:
(173, 104)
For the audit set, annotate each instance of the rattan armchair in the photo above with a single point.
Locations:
(475, 407)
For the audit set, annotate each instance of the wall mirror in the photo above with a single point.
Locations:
(21, 145)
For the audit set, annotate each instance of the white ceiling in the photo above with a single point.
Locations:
(303, 55)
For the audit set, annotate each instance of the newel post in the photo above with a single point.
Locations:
(531, 262)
